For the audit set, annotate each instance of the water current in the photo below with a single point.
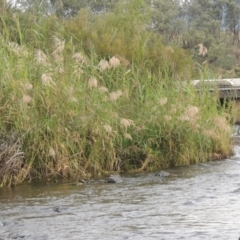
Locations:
(196, 202)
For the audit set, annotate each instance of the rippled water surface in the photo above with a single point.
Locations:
(196, 202)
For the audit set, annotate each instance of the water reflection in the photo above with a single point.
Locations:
(196, 202)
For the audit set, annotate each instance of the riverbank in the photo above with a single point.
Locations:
(75, 102)
(104, 120)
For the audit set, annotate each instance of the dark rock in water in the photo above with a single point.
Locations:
(188, 203)
(162, 174)
(84, 181)
(81, 182)
(59, 209)
(17, 236)
(56, 209)
(102, 181)
(114, 179)
(77, 184)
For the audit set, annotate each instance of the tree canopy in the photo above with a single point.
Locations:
(183, 23)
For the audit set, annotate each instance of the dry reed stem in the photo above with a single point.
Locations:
(146, 162)
(11, 161)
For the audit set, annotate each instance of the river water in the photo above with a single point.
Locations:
(196, 202)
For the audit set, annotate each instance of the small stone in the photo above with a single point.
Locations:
(56, 209)
(162, 174)
(84, 181)
(114, 179)
(77, 184)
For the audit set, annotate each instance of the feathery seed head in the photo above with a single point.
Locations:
(79, 58)
(26, 99)
(113, 96)
(114, 62)
(77, 71)
(52, 152)
(73, 99)
(126, 122)
(103, 65)
(70, 90)
(221, 123)
(103, 89)
(167, 118)
(173, 109)
(46, 79)
(184, 118)
(107, 128)
(59, 45)
(20, 51)
(190, 114)
(58, 58)
(210, 133)
(127, 136)
(40, 57)
(59, 69)
(162, 101)
(195, 126)
(92, 82)
(28, 86)
(191, 111)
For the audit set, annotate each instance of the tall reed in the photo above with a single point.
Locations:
(72, 106)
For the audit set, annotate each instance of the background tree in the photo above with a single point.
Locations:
(66, 8)
(232, 18)
(166, 19)
(182, 23)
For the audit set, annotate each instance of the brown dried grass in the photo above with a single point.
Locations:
(12, 161)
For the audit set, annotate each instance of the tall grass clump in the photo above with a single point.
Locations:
(72, 106)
